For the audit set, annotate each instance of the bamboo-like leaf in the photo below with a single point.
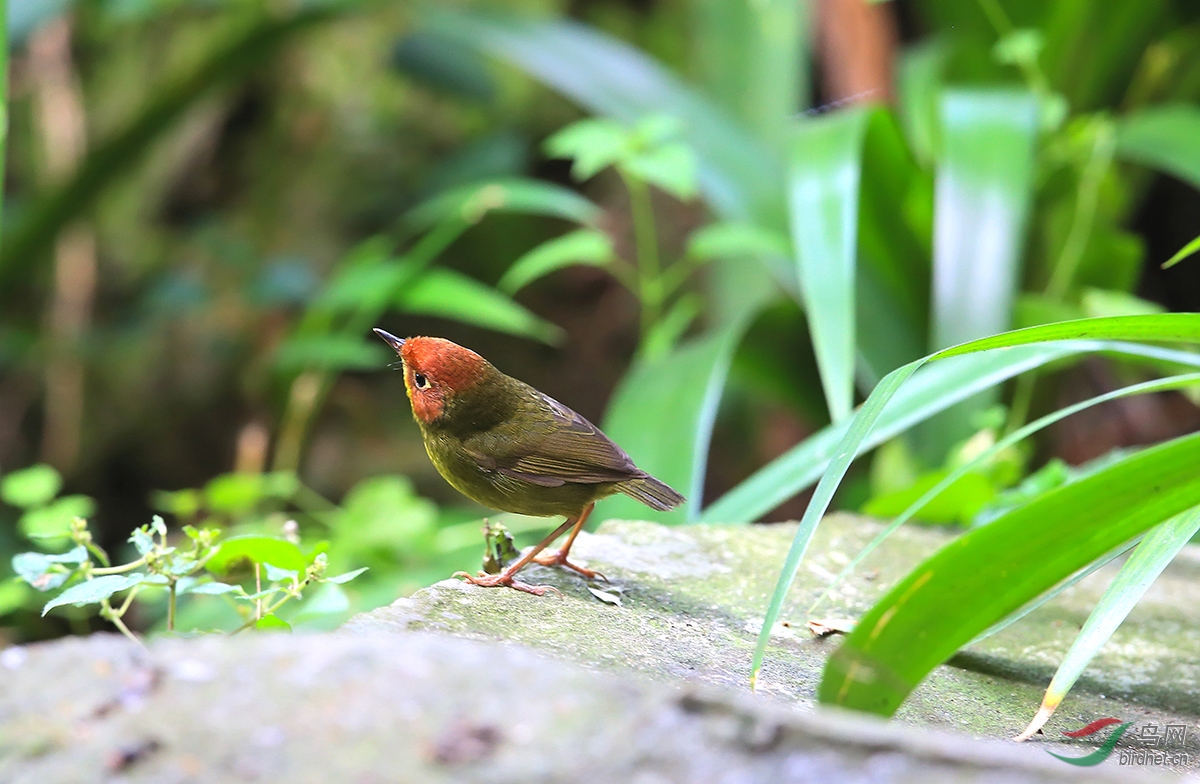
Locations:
(1184, 252)
(1163, 138)
(982, 196)
(1157, 385)
(663, 413)
(1157, 550)
(1174, 327)
(823, 182)
(585, 246)
(470, 203)
(995, 569)
(444, 292)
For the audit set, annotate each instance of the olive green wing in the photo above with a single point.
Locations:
(556, 445)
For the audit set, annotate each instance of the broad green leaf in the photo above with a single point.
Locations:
(1175, 327)
(450, 294)
(29, 487)
(731, 239)
(240, 492)
(825, 169)
(257, 549)
(584, 246)
(1184, 252)
(470, 203)
(1163, 138)
(753, 58)
(347, 577)
(994, 570)
(662, 414)
(94, 591)
(1144, 566)
(329, 352)
(54, 520)
(983, 193)
(275, 574)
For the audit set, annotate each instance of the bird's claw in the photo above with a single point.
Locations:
(485, 580)
(560, 559)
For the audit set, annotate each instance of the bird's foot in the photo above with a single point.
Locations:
(503, 580)
(560, 559)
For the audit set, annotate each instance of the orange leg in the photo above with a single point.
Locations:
(560, 558)
(505, 577)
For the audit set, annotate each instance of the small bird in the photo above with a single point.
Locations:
(509, 447)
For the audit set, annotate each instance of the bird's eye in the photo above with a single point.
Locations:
(420, 381)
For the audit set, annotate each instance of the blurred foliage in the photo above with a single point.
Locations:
(187, 283)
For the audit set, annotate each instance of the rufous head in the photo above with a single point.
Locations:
(435, 370)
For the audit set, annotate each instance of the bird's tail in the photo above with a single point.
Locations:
(651, 492)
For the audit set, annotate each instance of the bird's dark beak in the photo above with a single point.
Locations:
(393, 341)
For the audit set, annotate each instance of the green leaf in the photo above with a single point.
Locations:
(13, 596)
(919, 84)
(983, 193)
(30, 487)
(669, 167)
(54, 521)
(275, 574)
(1175, 327)
(1184, 252)
(142, 541)
(213, 588)
(995, 569)
(1019, 47)
(347, 577)
(593, 144)
(1103, 302)
(1163, 138)
(823, 184)
(94, 591)
(583, 246)
(470, 203)
(449, 294)
(662, 414)
(258, 549)
(325, 600)
(1143, 567)
(36, 568)
(733, 239)
(329, 352)
(272, 623)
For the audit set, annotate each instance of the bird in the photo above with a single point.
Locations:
(511, 448)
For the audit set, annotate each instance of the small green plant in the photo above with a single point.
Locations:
(191, 567)
(649, 153)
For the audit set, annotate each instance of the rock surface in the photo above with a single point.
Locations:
(465, 684)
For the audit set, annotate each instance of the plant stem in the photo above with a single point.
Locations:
(1103, 144)
(258, 613)
(1018, 412)
(270, 610)
(129, 567)
(646, 243)
(171, 606)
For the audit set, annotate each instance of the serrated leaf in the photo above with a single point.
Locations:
(33, 486)
(594, 144)
(347, 577)
(94, 591)
(584, 246)
(275, 574)
(141, 541)
(35, 568)
(670, 167)
(214, 589)
(257, 549)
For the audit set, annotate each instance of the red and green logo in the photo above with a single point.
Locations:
(1102, 753)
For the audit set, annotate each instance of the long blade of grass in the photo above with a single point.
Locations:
(1157, 550)
(1172, 327)
(823, 183)
(1157, 385)
(992, 571)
